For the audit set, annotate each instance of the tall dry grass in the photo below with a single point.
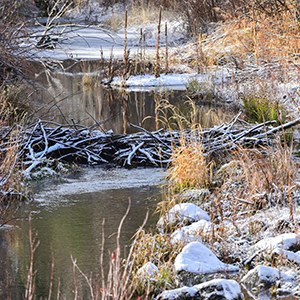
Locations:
(256, 179)
(12, 191)
(256, 38)
(189, 167)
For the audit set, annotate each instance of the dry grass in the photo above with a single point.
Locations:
(189, 115)
(189, 167)
(9, 173)
(155, 248)
(255, 179)
(266, 169)
(265, 37)
(140, 13)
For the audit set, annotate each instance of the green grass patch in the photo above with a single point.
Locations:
(261, 109)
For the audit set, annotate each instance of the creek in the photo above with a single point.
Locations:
(67, 213)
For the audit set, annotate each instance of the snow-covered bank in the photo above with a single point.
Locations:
(174, 81)
(87, 33)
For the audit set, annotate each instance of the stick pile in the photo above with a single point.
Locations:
(45, 140)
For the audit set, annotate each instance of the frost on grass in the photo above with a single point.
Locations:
(184, 213)
(214, 289)
(198, 259)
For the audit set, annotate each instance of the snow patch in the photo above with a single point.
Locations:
(191, 233)
(149, 270)
(176, 81)
(198, 259)
(283, 241)
(282, 245)
(183, 213)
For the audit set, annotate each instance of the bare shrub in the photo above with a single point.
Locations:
(12, 56)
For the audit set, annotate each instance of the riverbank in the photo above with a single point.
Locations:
(225, 214)
(235, 219)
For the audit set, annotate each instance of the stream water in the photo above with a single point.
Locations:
(67, 213)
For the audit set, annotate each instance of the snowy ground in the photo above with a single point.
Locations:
(85, 33)
(85, 42)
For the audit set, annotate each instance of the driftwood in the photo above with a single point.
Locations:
(45, 140)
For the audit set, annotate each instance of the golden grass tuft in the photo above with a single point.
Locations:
(189, 167)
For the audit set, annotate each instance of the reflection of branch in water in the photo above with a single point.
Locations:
(56, 104)
(125, 113)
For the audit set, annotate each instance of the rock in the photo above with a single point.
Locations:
(265, 277)
(217, 289)
(184, 293)
(195, 195)
(198, 259)
(191, 233)
(286, 241)
(184, 213)
(286, 245)
(148, 271)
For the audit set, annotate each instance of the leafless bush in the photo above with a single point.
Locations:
(12, 18)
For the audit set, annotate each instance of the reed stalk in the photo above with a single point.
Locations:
(125, 54)
(167, 49)
(157, 65)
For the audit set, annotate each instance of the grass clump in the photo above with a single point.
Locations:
(155, 248)
(261, 109)
(256, 179)
(189, 167)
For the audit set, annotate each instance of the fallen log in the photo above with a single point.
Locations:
(44, 140)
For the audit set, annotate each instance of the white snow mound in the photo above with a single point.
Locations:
(283, 245)
(191, 233)
(198, 259)
(183, 213)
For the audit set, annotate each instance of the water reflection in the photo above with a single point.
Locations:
(68, 98)
(71, 227)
